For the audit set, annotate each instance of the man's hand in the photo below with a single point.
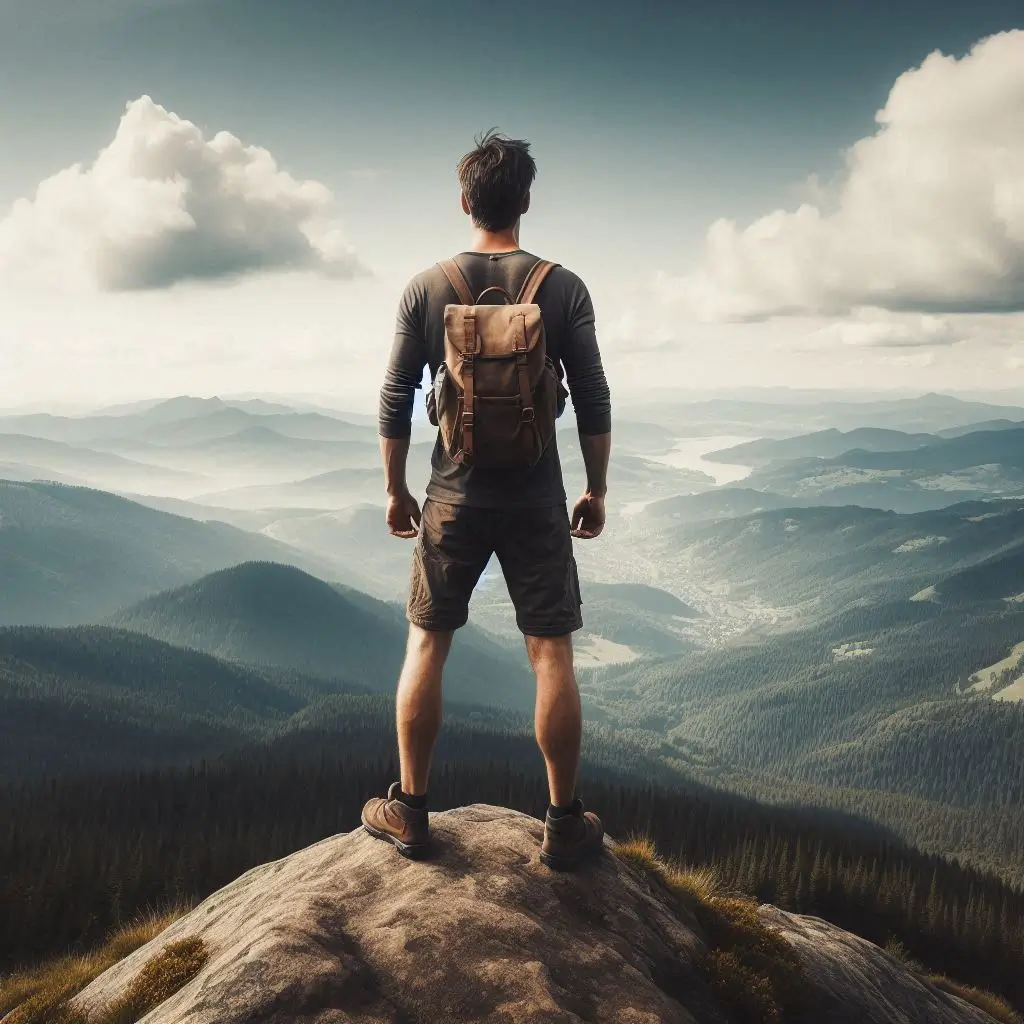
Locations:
(587, 519)
(403, 515)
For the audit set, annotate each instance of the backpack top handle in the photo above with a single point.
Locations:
(527, 294)
(497, 288)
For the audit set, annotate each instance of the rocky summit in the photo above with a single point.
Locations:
(348, 931)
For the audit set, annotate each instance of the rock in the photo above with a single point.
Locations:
(348, 931)
(855, 982)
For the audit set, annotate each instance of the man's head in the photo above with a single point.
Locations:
(496, 177)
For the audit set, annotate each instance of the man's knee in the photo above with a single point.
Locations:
(550, 654)
(428, 645)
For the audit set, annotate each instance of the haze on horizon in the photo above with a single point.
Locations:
(197, 202)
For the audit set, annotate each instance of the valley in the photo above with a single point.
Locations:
(773, 613)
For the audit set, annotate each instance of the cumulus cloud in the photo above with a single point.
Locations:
(929, 215)
(877, 328)
(163, 204)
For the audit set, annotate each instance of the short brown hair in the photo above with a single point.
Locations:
(496, 177)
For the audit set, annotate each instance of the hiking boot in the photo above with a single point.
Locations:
(405, 827)
(571, 838)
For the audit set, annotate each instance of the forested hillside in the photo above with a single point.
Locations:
(276, 616)
(928, 476)
(90, 698)
(872, 699)
(999, 578)
(824, 559)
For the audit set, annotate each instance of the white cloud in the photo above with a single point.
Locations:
(929, 215)
(162, 204)
(877, 328)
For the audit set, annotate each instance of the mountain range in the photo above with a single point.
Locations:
(781, 416)
(182, 421)
(73, 555)
(816, 632)
(947, 470)
(829, 558)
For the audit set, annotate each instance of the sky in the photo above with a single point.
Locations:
(228, 196)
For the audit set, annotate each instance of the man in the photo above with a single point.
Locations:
(470, 512)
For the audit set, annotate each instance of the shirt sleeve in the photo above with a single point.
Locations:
(584, 373)
(405, 366)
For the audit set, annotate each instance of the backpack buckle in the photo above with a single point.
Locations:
(529, 415)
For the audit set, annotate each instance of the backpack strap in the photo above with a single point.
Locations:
(466, 371)
(534, 279)
(527, 411)
(458, 281)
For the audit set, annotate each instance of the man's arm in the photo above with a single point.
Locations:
(588, 515)
(591, 400)
(404, 373)
(403, 510)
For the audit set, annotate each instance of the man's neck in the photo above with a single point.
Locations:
(496, 241)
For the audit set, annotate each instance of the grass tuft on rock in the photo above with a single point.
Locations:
(165, 974)
(895, 948)
(41, 994)
(995, 1006)
(693, 886)
(752, 969)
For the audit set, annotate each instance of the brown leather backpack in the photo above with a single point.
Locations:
(497, 395)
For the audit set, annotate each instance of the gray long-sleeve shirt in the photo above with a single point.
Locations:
(571, 343)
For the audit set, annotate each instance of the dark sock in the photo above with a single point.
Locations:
(417, 803)
(560, 812)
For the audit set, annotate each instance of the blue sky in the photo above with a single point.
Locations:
(650, 121)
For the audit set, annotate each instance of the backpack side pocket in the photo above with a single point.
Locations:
(447, 409)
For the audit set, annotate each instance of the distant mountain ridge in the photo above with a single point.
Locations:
(720, 503)
(949, 470)
(69, 458)
(181, 420)
(783, 416)
(820, 444)
(826, 556)
(71, 555)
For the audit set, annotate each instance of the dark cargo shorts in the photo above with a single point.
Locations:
(534, 549)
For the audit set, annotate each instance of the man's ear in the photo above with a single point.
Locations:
(465, 205)
(526, 203)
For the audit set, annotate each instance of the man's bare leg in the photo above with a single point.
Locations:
(418, 705)
(558, 721)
